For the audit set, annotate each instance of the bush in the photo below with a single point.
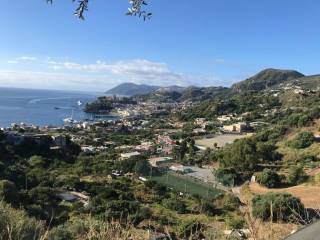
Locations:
(191, 230)
(241, 155)
(235, 222)
(317, 178)
(230, 202)
(268, 178)
(15, 224)
(227, 176)
(8, 192)
(207, 207)
(284, 207)
(303, 140)
(296, 175)
(175, 205)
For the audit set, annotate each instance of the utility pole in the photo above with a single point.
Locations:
(185, 186)
(150, 172)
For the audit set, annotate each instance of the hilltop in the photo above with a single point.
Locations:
(192, 94)
(130, 89)
(307, 82)
(266, 79)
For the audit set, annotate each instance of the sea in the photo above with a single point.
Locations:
(42, 107)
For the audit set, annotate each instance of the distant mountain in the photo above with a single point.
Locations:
(130, 89)
(192, 94)
(173, 88)
(203, 93)
(266, 79)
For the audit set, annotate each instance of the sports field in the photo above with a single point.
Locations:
(220, 140)
(186, 184)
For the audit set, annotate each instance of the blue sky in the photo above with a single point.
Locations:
(198, 42)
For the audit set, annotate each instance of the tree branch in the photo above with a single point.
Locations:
(135, 9)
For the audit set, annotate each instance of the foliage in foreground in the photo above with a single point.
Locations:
(277, 207)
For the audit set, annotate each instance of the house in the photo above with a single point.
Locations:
(18, 138)
(159, 161)
(145, 147)
(200, 121)
(59, 141)
(88, 149)
(199, 130)
(236, 128)
(165, 139)
(180, 168)
(129, 155)
(165, 150)
(224, 118)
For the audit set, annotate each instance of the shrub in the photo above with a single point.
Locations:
(241, 155)
(231, 202)
(268, 178)
(15, 224)
(8, 192)
(191, 229)
(303, 140)
(227, 176)
(207, 207)
(284, 206)
(175, 205)
(235, 222)
(317, 178)
(296, 175)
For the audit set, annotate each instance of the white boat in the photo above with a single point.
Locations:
(70, 120)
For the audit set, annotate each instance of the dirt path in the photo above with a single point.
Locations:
(309, 195)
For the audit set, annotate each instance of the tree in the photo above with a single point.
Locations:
(268, 178)
(241, 155)
(303, 140)
(277, 207)
(267, 152)
(8, 191)
(175, 205)
(135, 9)
(16, 224)
(207, 207)
(142, 167)
(296, 175)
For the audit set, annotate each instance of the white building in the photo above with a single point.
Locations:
(180, 168)
(129, 155)
(158, 161)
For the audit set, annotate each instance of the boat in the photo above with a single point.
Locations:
(70, 120)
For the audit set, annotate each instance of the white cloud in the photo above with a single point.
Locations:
(49, 80)
(138, 70)
(22, 59)
(12, 62)
(99, 76)
(26, 58)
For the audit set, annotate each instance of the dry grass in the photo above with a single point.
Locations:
(221, 140)
(261, 230)
(308, 194)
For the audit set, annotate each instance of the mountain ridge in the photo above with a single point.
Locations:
(266, 79)
(130, 89)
